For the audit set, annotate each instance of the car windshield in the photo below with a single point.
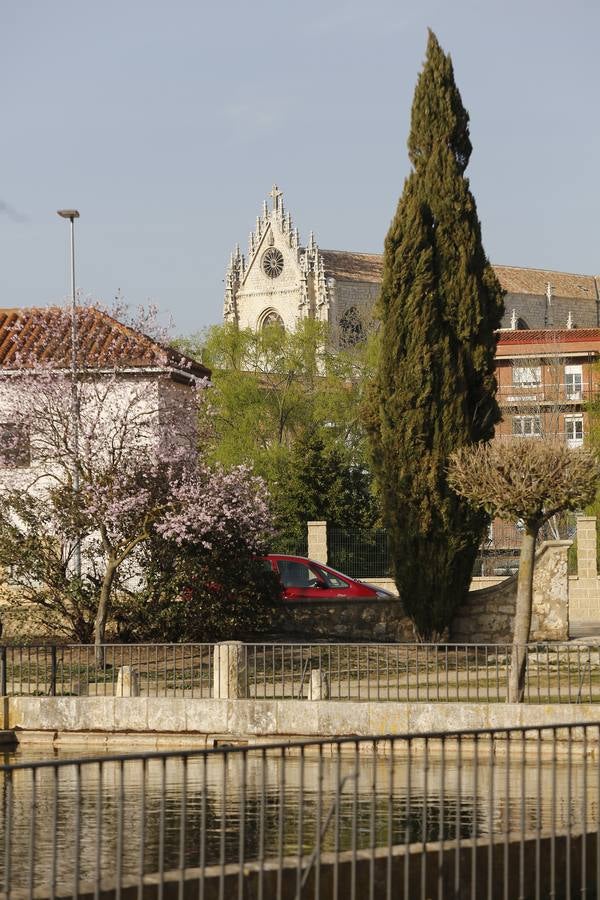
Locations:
(298, 574)
(333, 579)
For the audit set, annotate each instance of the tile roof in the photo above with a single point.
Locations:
(517, 280)
(549, 336)
(348, 266)
(43, 335)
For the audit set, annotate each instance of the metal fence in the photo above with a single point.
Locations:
(366, 554)
(502, 813)
(359, 553)
(555, 673)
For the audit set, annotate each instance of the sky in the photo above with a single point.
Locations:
(166, 124)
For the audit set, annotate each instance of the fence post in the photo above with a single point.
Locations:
(317, 541)
(230, 676)
(3, 673)
(128, 682)
(53, 670)
(318, 686)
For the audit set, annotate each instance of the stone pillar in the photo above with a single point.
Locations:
(81, 687)
(230, 676)
(128, 682)
(318, 687)
(587, 566)
(317, 541)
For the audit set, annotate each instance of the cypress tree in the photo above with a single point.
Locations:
(434, 392)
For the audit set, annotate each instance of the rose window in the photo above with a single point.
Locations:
(272, 262)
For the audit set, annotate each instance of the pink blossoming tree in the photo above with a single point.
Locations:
(86, 485)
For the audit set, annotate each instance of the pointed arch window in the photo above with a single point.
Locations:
(351, 327)
(270, 319)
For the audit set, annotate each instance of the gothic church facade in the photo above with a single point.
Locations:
(282, 281)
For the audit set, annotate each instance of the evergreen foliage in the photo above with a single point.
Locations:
(435, 388)
(289, 405)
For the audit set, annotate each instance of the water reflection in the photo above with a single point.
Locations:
(123, 818)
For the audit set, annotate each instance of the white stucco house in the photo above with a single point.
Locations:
(134, 386)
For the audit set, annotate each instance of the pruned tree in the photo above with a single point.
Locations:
(531, 481)
(543, 397)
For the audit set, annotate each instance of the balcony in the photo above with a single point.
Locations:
(571, 439)
(546, 394)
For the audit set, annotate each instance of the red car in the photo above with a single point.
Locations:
(304, 579)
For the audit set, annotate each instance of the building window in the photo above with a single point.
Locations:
(527, 376)
(574, 430)
(574, 382)
(272, 262)
(271, 319)
(14, 445)
(351, 328)
(526, 426)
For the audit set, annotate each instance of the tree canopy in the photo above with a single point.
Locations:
(133, 444)
(289, 405)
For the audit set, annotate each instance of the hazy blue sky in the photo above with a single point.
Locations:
(166, 123)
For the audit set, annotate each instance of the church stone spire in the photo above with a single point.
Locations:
(302, 266)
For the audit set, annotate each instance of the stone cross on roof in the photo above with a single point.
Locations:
(276, 194)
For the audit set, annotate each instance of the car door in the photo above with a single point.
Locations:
(303, 581)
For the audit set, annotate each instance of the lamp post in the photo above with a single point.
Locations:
(71, 215)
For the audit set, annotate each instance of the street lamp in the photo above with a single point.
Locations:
(71, 215)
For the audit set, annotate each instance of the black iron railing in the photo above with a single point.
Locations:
(499, 813)
(555, 673)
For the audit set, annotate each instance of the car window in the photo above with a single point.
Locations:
(266, 563)
(332, 579)
(298, 574)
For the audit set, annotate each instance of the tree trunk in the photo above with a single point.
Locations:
(518, 665)
(103, 611)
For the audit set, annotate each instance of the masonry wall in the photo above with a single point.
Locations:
(360, 294)
(94, 717)
(532, 309)
(348, 620)
(487, 616)
(584, 588)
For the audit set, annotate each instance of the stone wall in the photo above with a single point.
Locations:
(533, 309)
(347, 620)
(95, 716)
(487, 615)
(360, 295)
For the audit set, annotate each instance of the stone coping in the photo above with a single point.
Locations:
(275, 718)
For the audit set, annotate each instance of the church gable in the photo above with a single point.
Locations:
(280, 281)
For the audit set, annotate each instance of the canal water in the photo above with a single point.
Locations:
(124, 817)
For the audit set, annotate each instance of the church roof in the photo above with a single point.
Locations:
(42, 336)
(347, 266)
(516, 280)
